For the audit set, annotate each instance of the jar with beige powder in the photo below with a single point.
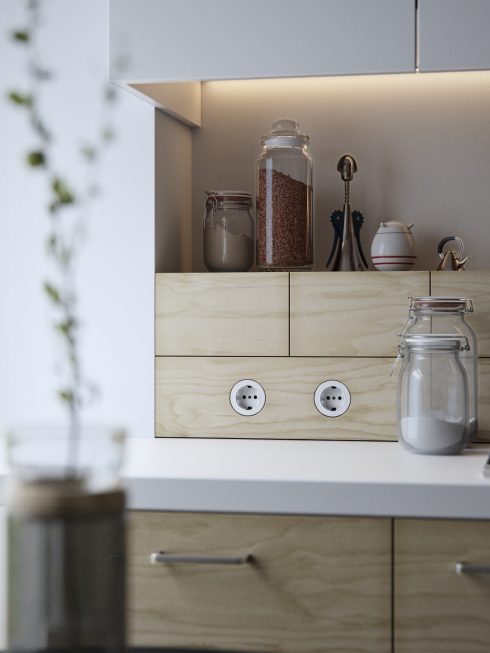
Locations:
(228, 231)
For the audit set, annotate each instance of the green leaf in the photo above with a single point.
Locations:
(52, 292)
(21, 35)
(36, 158)
(89, 152)
(21, 99)
(63, 194)
(66, 327)
(66, 395)
(108, 135)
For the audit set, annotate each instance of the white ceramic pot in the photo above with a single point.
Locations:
(393, 247)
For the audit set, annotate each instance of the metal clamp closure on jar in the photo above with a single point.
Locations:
(429, 342)
(462, 305)
(227, 198)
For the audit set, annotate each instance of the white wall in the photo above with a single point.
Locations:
(117, 265)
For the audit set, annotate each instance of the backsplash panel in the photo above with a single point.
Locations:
(192, 398)
(290, 332)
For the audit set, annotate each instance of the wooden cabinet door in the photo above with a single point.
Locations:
(314, 585)
(351, 314)
(453, 35)
(222, 314)
(438, 610)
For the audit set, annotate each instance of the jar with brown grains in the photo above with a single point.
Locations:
(284, 221)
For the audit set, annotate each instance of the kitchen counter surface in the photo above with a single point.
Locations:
(306, 477)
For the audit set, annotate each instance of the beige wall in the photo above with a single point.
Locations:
(422, 142)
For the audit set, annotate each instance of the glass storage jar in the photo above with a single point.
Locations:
(433, 394)
(284, 200)
(228, 231)
(446, 315)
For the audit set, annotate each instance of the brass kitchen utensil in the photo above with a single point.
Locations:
(451, 259)
(346, 251)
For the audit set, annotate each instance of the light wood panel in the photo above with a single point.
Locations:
(192, 398)
(351, 314)
(437, 610)
(316, 585)
(476, 286)
(222, 314)
(484, 399)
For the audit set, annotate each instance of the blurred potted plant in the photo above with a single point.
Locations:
(66, 506)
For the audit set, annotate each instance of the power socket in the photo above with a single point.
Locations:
(247, 397)
(332, 398)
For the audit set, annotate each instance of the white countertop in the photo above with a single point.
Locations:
(306, 477)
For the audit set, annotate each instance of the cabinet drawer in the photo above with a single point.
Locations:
(192, 398)
(436, 609)
(351, 314)
(238, 314)
(474, 285)
(314, 584)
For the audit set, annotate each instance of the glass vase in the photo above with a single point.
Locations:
(66, 541)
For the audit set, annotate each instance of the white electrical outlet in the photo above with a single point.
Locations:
(332, 398)
(247, 397)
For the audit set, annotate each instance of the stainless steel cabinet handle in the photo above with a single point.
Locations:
(160, 557)
(467, 568)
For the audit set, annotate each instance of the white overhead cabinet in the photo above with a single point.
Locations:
(453, 35)
(196, 40)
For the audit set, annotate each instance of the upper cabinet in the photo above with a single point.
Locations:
(196, 40)
(453, 35)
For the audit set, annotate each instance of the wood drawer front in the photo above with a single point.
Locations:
(351, 314)
(232, 314)
(476, 286)
(316, 584)
(436, 609)
(192, 398)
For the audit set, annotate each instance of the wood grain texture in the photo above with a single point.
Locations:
(192, 398)
(316, 585)
(484, 400)
(351, 314)
(476, 286)
(222, 314)
(437, 610)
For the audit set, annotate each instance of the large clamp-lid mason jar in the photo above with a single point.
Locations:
(447, 315)
(433, 394)
(284, 200)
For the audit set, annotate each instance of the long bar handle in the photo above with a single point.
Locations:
(160, 557)
(467, 568)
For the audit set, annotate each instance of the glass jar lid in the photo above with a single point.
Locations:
(434, 342)
(285, 133)
(441, 305)
(228, 198)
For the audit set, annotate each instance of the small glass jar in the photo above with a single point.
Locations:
(433, 394)
(228, 231)
(284, 200)
(447, 315)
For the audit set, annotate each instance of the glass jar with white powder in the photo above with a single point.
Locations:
(433, 398)
(447, 315)
(228, 231)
